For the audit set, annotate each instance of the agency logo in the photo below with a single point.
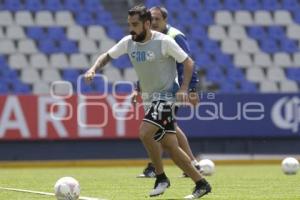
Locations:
(286, 113)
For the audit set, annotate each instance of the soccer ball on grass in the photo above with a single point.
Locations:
(67, 188)
(290, 165)
(207, 167)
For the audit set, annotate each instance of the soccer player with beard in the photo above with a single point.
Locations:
(154, 57)
(159, 23)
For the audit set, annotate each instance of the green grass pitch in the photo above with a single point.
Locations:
(230, 182)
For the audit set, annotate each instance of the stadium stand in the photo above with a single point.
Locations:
(244, 46)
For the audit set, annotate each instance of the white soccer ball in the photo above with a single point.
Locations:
(290, 165)
(67, 188)
(207, 167)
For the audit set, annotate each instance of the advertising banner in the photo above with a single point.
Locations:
(80, 117)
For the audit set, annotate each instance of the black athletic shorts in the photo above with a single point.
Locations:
(161, 113)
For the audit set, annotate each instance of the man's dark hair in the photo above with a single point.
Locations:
(141, 11)
(163, 11)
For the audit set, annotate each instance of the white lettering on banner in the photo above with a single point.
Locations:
(254, 108)
(85, 130)
(120, 111)
(12, 106)
(215, 111)
(44, 116)
(286, 113)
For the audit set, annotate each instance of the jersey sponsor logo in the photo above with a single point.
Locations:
(286, 113)
(143, 56)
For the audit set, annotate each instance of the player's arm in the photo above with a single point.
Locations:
(193, 95)
(116, 51)
(101, 61)
(188, 66)
(171, 48)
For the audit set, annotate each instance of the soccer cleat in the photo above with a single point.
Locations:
(197, 166)
(200, 191)
(160, 187)
(149, 172)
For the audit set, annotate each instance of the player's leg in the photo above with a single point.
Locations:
(149, 170)
(147, 134)
(181, 159)
(184, 143)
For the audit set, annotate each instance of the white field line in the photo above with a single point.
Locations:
(43, 193)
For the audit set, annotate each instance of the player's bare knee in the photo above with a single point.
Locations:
(142, 135)
(169, 147)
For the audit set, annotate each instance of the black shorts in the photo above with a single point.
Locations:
(161, 113)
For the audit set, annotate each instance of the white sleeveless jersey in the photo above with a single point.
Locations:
(154, 62)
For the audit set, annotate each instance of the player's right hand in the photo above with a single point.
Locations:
(89, 75)
(133, 96)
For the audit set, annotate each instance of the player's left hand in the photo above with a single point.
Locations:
(89, 75)
(194, 98)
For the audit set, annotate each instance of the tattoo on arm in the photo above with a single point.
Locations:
(102, 61)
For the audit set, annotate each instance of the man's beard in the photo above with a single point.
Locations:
(140, 37)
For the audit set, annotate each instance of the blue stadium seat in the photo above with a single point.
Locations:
(2, 61)
(248, 87)
(212, 5)
(92, 6)
(104, 19)
(123, 88)
(195, 49)
(235, 75)
(289, 46)
(252, 5)
(173, 5)
(270, 5)
(36, 33)
(68, 46)
(83, 87)
(291, 5)
(70, 74)
(53, 5)
(84, 18)
(21, 88)
(296, 16)
(72, 5)
(48, 46)
(269, 45)
(276, 32)
(151, 3)
(204, 60)
(211, 47)
(205, 18)
(4, 88)
(194, 5)
(293, 74)
(56, 33)
(198, 32)
(228, 87)
(12, 75)
(224, 60)
(185, 17)
(115, 32)
(12, 5)
(256, 32)
(7, 74)
(33, 5)
(232, 5)
(215, 74)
